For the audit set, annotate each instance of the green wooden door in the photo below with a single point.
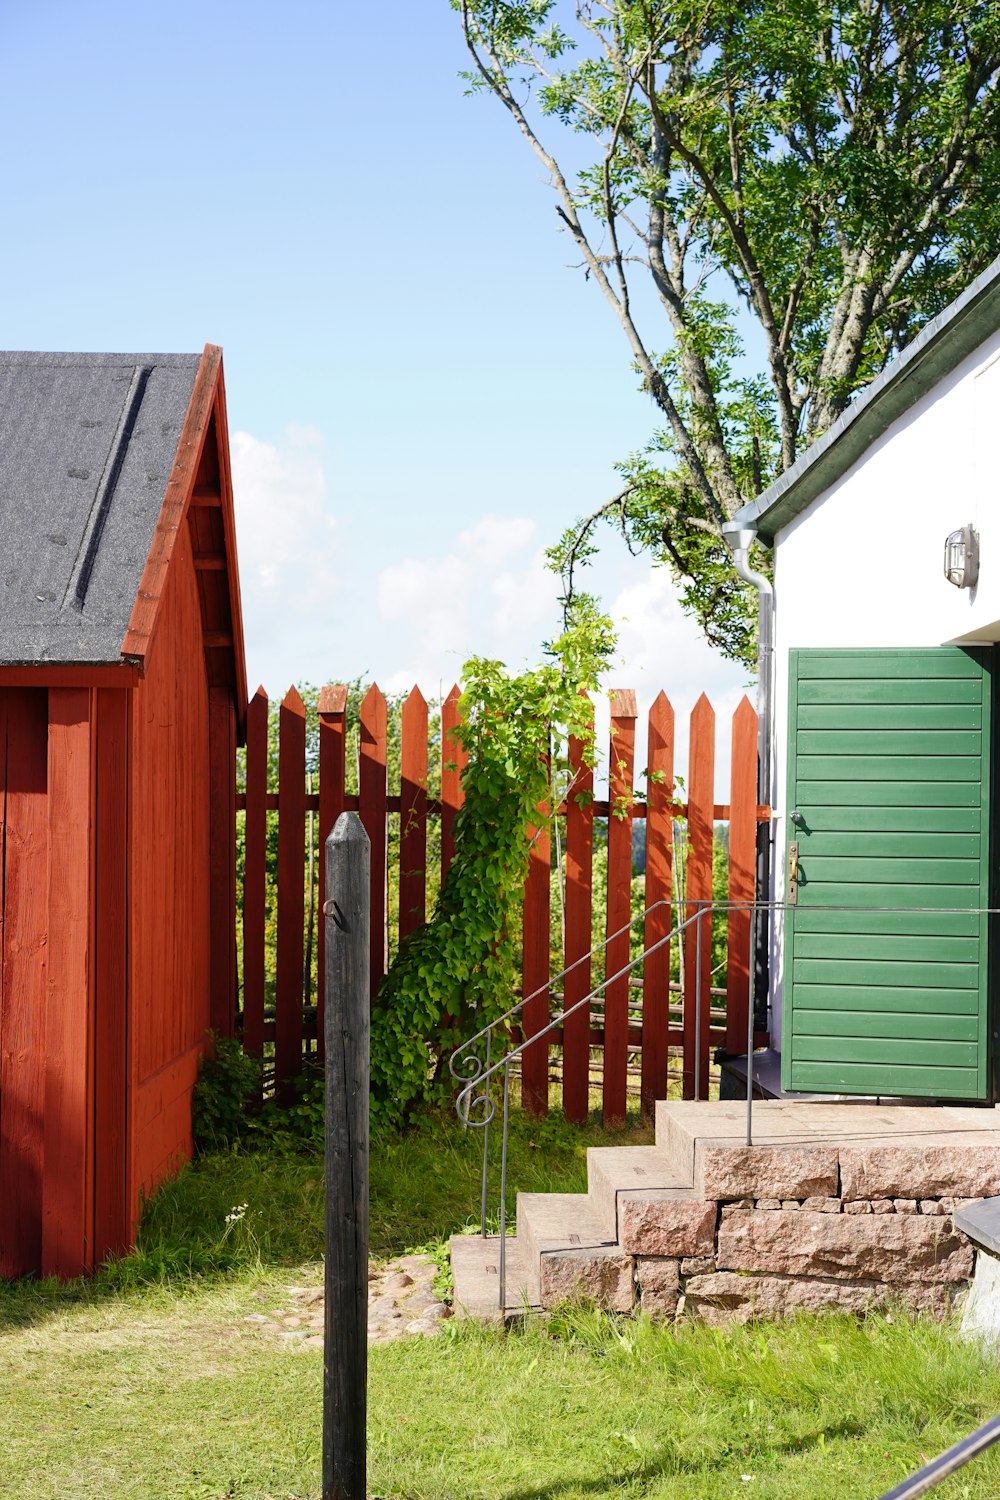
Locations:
(889, 772)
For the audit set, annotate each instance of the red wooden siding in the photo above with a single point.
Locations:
(67, 1194)
(641, 1026)
(117, 908)
(118, 821)
(23, 991)
(112, 1218)
(170, 956)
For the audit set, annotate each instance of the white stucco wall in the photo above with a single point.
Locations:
(863, 564)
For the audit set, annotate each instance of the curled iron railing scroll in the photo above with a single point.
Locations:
(468, 1068)
(475, 1073)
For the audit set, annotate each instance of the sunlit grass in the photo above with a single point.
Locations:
(147, 1382)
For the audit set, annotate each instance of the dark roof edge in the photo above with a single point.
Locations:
(940, 346)
(69, 360)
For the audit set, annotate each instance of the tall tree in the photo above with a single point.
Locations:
(829, 167)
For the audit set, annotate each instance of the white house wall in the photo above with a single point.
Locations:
(863, 564)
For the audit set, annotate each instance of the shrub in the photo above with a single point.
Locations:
(228, 1084)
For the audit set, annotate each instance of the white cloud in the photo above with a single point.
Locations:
(286, 540)
(489, 594)
(661, 648)
(314, 614)
(495, 539)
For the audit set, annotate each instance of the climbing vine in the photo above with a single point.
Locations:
(457, 972)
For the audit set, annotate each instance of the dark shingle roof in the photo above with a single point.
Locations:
(87, 444)
(938, 349)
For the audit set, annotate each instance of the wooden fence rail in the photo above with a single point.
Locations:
(635, 1028)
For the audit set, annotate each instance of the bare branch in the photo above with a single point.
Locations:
(755, 278)
(586, 526)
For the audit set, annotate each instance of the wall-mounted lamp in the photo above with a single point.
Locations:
(961, 557)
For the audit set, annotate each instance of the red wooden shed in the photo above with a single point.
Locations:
(122, 697)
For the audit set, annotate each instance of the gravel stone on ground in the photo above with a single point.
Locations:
(402, 1303)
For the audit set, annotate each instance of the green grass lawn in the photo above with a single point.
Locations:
(147, 1382)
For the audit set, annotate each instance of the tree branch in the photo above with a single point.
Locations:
(755, 278)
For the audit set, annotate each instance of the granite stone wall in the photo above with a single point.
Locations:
(788, 1228)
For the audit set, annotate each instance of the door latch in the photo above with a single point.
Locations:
(793, 873)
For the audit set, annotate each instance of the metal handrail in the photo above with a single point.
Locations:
(457, 1061)
(476, 1074)
(947, 1463)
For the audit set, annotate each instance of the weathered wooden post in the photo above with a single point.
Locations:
(346, 1033)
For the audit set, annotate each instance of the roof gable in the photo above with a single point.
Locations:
(87, 446)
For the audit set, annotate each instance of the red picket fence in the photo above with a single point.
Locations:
(642, 1024)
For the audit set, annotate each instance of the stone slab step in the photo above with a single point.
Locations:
(558, 1221)
(705, 1144)
(475, 1266)
(803, 1149)
(615, 1170)
(569, 1252)
(981, 1222)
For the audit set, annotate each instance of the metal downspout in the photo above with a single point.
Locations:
(740, 539)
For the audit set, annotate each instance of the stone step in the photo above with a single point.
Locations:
(558, 1221)
(475, 1266)
(570, 1254)
(826, 1207)
(804, 1150)
(616, 1170)
(705, 1144)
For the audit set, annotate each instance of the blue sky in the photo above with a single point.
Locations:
(421, 393)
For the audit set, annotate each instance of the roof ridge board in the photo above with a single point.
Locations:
(90, 540)
(69, 359)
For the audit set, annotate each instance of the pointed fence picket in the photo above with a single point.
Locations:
(413, 815)
(332, 715)
(659, 876)
(625, 1040)
(578, 918)
(621, 784)
(453, 762)
(373, 808)
(254, 875)
(535, 944)
(291, 892)
(698, 891)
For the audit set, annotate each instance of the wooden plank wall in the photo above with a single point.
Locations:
(23, 973)
(170, 848)
(640, 1021)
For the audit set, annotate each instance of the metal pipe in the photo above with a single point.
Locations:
(750, 1009)
(503, 1191)
(740, 539)
(697, 1008)
(486, 1139)
(947, 1463)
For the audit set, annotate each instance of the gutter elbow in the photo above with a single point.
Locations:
(740, 539)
